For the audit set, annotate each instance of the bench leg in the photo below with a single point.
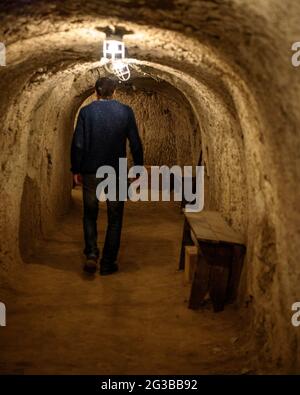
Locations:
(191, 259)
(186, 241)
(219, 276)
(200, 285)
(218, 257)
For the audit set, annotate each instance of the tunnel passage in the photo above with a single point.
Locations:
(230, 62)
(168, 129)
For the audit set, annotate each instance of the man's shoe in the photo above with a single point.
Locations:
(90, 265)
(107, 269)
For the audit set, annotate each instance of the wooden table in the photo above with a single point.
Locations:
(221, 253)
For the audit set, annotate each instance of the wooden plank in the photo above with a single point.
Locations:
(220, 258)
(186, 240)
(210, 225)
(191, 257)
(194, 238)
(218, 284)
(200, 285)
(217, 254)
(200, 228)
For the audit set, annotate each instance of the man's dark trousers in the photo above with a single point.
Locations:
(90, 214)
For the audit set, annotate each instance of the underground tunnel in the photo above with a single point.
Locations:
(212, 85)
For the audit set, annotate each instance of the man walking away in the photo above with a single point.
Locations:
(99, 139)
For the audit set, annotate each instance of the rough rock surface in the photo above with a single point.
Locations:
(231, 60)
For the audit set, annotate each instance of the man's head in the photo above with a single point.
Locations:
(105, 87)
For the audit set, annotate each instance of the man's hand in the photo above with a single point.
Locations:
(77, 178)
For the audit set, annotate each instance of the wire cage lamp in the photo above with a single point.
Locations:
(114, 59)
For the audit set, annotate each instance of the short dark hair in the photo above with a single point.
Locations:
(105, 86)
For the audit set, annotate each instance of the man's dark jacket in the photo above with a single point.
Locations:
(100, 137)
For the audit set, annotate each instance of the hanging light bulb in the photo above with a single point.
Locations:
(121, 70)
(113, 50)
(113, 56)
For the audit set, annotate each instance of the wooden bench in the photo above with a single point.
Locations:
(221, 253)
(190, 261)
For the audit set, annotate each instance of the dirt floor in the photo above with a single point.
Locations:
(60, 321)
